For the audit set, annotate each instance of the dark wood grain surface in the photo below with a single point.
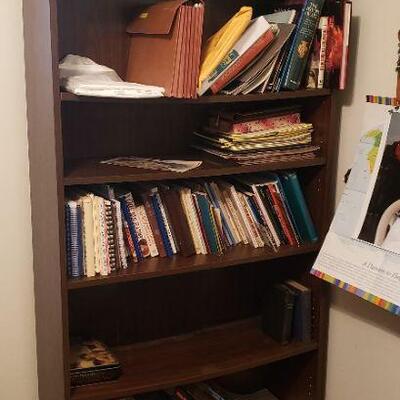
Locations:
(191, 358)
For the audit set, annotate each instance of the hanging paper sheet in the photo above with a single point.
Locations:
(361, 252)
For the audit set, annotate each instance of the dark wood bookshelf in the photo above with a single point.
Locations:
(270, 96)
(85, 172)
(158, 267)
(219, 351)
(165, 318)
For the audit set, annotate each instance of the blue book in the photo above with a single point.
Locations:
(127, 216)
(216, 204)
(208, 221)
(68, 239)
(298, 205)
(161, 224)
(80, 242)
(73, 209)
(302, 43)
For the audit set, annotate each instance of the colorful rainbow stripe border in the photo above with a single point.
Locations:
(387, 101)
(358, 292)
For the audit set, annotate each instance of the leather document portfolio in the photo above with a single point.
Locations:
(165, 47)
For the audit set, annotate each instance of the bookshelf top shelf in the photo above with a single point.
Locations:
(206, 354)
(299, 94)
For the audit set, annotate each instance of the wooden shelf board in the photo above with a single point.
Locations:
(298, 94)
(84, 172)
(158, 267)
(192, 358)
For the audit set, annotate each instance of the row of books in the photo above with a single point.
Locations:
(327, 65)
(258, 137)
(247, 54)
(106, 226)
(287, 312)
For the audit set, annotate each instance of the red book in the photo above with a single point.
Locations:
(243, 61)
(280, 212)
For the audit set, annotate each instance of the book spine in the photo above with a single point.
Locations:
(123, 245)
(148, 234)
(118, 255)
(153, 224)
(261, 43)
(88, 223)
(110, 236)
(227, 233)
(302, 43)
(104, 253)
(346, 44)
(68, 239)
(129, 240)
(132, 230)
(185, 198)
(323, 26)
(253, 220)
(197, 222)
(208, 222)
(299, 207)
(167, 224)
(242, 214)
(161, 224)
(142, 240)
(239, 224)
(266, 217)
(250, 224)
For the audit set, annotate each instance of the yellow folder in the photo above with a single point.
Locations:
(221, 42)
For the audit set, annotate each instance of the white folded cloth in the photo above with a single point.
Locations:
(83, 77)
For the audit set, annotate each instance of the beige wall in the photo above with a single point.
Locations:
(17, 337)
(364, 344)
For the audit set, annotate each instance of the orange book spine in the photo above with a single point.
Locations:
(253, 51)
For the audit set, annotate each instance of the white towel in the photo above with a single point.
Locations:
(83, 77)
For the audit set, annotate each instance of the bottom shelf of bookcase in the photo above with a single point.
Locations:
(157, 267)
(185, 359)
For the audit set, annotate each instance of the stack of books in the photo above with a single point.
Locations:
(106, 227)
(259, 137)
(287, 312)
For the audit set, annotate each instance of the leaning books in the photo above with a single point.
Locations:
(92, 362)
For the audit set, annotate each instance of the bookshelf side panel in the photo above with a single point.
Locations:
(45, 155)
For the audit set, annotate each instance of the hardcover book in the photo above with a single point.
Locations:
(298, 56)
(92, 362)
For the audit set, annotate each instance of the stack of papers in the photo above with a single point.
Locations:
(83, 77)
(257, 137)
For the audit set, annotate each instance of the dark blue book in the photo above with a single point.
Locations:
(208, 221)
(80, 242)
(301, 329)
(216, 204)
(128, 218)
(302, 43)
(161, 224)
(68, 239)
(298, 205)
(73, 210)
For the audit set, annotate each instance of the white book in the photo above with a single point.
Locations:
(86, 203)
(120, 233)
(193, 233)
(255, 30)
(236, 217)
(323, 26)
